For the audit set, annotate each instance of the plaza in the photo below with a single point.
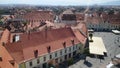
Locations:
(112, 50)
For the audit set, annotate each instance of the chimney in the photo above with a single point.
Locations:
(36, 53)
(49, 49)
(64, 44)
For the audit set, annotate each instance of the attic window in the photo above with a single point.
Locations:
(72, 41)
(12, 62)
(36, 53)
(3, 43)
(0, 58)
(64, 44)
(49, 49)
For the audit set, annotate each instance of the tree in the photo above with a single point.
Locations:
(25, 23)
(1, 23)
(91, 35)
(70, 61)
(111, 12)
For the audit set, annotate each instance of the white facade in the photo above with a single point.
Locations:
(102, 26)
(60, 57)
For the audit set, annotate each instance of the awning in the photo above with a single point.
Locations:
(109, 65)
(90, 30)
(118, 56)
(97, 46)
(116, 31)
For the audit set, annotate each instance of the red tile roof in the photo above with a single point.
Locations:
(24, 49)
(6, 57)
(80, 36)
(82, 28)
(112, 18)
(35, 18)
(95, 18)
(39, 16)
(80, 16)
(5, 36)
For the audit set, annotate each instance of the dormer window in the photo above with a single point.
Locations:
(36, 53)
(64, 44)
(72, 42)
(49, 49)
(3, 43)
(0, 58)
(12, 62)
(16, 38)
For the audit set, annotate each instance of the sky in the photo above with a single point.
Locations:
(59, 2)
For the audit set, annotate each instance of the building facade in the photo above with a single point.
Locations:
(102, 22)
(53, 58)
(40, 49)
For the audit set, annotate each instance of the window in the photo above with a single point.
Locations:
(65, 57)
(56, 54)
(64, 44)
(12, 62)
(74, 53)
(0, 58)
(60, 60)
(38, 61)
(61, 52)
(76, 46)
(69, 55)
(72, 42)
(49, 49)
(56, 60)
(65, 50)
(79, 48)
(30, 63)
(44, 58)
(73, 47)
(36, 53)
(50, 56)
(69, 49)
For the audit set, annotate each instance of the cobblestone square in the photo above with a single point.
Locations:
(112, 50)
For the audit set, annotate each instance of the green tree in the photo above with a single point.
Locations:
(110, 12)
(25, 23)
(1, 23)
(70, 61)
